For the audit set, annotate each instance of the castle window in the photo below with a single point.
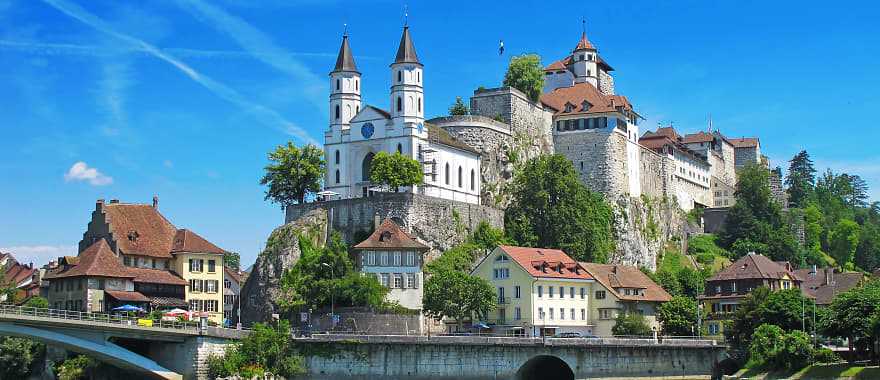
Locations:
(418, 77)
(589, 73)
(589, 57)
(420, 104)
(460, 182)
(399, 148)
(399, 76)
(434, 170)
(446, 174)
(473, 180)
(399, 104)
(337, 112)
(582, 57)
(357, 110)
(336, 160)
(337, 175)
(337, 84)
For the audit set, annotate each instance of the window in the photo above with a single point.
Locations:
(550, 294)
(604, 314)
(572, 314)
(420, 104)
(517, 313)
(384, 279)
(517, 292)
(460, 183)
(501, 258)
(583, 293)
(446, 173)
(410, 259)
(336, 155)
(397, 259)
(418, 76)
(357, 87)
(571, 293)
(717, 289)
(399, 105)
(337, 112)
(126, 260)
(583, 314)
(410, 280)
(501, 315)
(399, 76)
(212, 266)
(561, 313)
(211, 286)
(500, 294)
(337, 176)
(541, 312)
(600, 294)
(195, 265)
(540, 291)
(398, 281)
(551, 313)
(337, 84)
(195, 286)
(561, 292)
(473, 182)
(371, 258)
(399, 148)
(501, 273)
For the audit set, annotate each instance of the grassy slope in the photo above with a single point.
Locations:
(817, 372)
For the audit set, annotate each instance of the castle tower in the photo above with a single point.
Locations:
(345, 88)
(407, 94)
(584, 62)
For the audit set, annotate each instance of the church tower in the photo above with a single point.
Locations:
(345, 88)
(584, 62)
(407, 94)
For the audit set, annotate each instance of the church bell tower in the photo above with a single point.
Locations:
(345, 88)
(407, 93)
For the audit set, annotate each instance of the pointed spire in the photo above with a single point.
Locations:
(345, 60)
(584, 43)
(406, 52)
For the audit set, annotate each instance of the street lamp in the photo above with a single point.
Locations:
(332, 294)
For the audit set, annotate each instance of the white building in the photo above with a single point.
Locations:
(396, 259)
(690, 171)
(359, 131)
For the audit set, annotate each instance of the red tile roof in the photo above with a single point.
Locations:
(561, 64)
(127, 296)
(698, 137)
(188, 241)
(140, 229)
(98, 260)
(753, 266)
(156, 276)
(825, 284)
(546, 263)
(614, 277)
(580, 92)
(389, 236)
(584, 43)
(744, 142)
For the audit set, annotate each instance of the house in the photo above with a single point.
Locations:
(726, 289)
(396, 259)
(24, 278)
(233, 281)
(623, 289)
(541, 292)
(825, 283)
(130, 253)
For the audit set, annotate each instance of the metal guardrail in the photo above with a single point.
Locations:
(70, 315)
(513, 340)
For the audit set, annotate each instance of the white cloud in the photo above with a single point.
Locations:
(80, 171)
(262, 113)
(39, 254)
(168, 164)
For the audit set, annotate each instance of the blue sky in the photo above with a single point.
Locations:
(183, 98)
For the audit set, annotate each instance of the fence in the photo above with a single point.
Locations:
(116, 319)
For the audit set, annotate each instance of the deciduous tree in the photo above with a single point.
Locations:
(457, 295)
(678, 316)
(526, 74)
(631, 324)
(844, 241)
(293, 173)
(459, 108)
(395, 170)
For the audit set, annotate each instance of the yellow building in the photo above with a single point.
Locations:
(200, 263)
(540, 292)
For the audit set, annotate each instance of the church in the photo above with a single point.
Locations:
(358, 131)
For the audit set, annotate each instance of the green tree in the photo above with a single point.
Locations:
(783, 308)
(851, 315)
(75, 368)
(37, 302)
(459, 108)
(813, 227)
(678, 316)
(631, 324)
(266, 349)
(767, 342)
(487, 237)
(526, 74)
(552, 208)
(395, 170)
(844, 241)
(17, 356)
(801, 179)
(293, 173)
(868, 251)
(232, 260)
(457, 295)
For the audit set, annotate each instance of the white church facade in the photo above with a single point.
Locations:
(358, 131)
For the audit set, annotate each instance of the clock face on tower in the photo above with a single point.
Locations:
(367, 130)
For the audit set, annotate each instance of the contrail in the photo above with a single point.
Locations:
(264, 114)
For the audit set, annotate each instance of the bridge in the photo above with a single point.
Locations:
(164, 350)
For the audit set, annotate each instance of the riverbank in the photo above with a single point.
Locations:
(816, 372)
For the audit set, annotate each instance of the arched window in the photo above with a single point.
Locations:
(399, 76)
(420, 104)
(336, 160)
(473, 180)
(418, 76)
(337, 112)
(446, 174)
(365, 167)
(460, 182)
(399, 104)
(357, 85)
(399, 148)
(337, 84)
(337, 175)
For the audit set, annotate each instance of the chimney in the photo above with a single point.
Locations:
(99, 205)
(614, 269)
(376, 221)
(156, 202)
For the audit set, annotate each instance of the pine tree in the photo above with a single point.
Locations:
(459, 108)
(801, 179)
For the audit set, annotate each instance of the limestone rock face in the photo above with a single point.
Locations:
(643, 227)
(261, 292)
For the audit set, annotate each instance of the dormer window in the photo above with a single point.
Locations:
(585, 106)
(569, 107)
(385, 236)
(133, 236)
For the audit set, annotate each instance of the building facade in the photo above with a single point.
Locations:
(690, 180)
(233, 280)
(623, 289)
(540, 292)
(358, 131)
(397, 260)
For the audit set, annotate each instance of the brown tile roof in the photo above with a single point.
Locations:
(188, 241)
(546, 263)
(156, 276)
(98, 260)
(140, 229)
(127, 296)
(16, 273)
(232, 273)
(580, 92)
(389, 235)
(824, 285)
(614, 277)
(753, 266)
(698, 137)
(584, 43)
(744, 142)
(668, 132)
(655, 142)
(440, 135)
(561, 64)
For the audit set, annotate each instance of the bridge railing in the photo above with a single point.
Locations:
(515, 340)
(71, 315)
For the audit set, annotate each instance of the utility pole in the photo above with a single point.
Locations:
(332, 296)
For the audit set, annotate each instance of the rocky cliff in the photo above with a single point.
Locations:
(643, 227)
(262, 290)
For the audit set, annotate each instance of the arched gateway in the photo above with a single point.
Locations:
(545, 367)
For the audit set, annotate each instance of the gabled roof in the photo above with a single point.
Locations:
(406, 52)
(188, 241)
(389, 236)
(584, 43)
(561, 64)
(576, 94)
(698, 137)
(98, 260)
(824, 285)
(753, 266)
(744, 142)
(156, 276)
(440, 135)
(546, 263)
(614, 277)
(345, 59)
(368, 108)
(140, 229)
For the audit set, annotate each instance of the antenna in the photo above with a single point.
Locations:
(405, 15)
(584, 25)
(345, 30)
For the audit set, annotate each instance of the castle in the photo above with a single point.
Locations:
(469, 160)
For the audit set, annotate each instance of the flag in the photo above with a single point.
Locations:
(500, 47)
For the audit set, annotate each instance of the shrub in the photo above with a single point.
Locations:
(825, 355)
(631, 324)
